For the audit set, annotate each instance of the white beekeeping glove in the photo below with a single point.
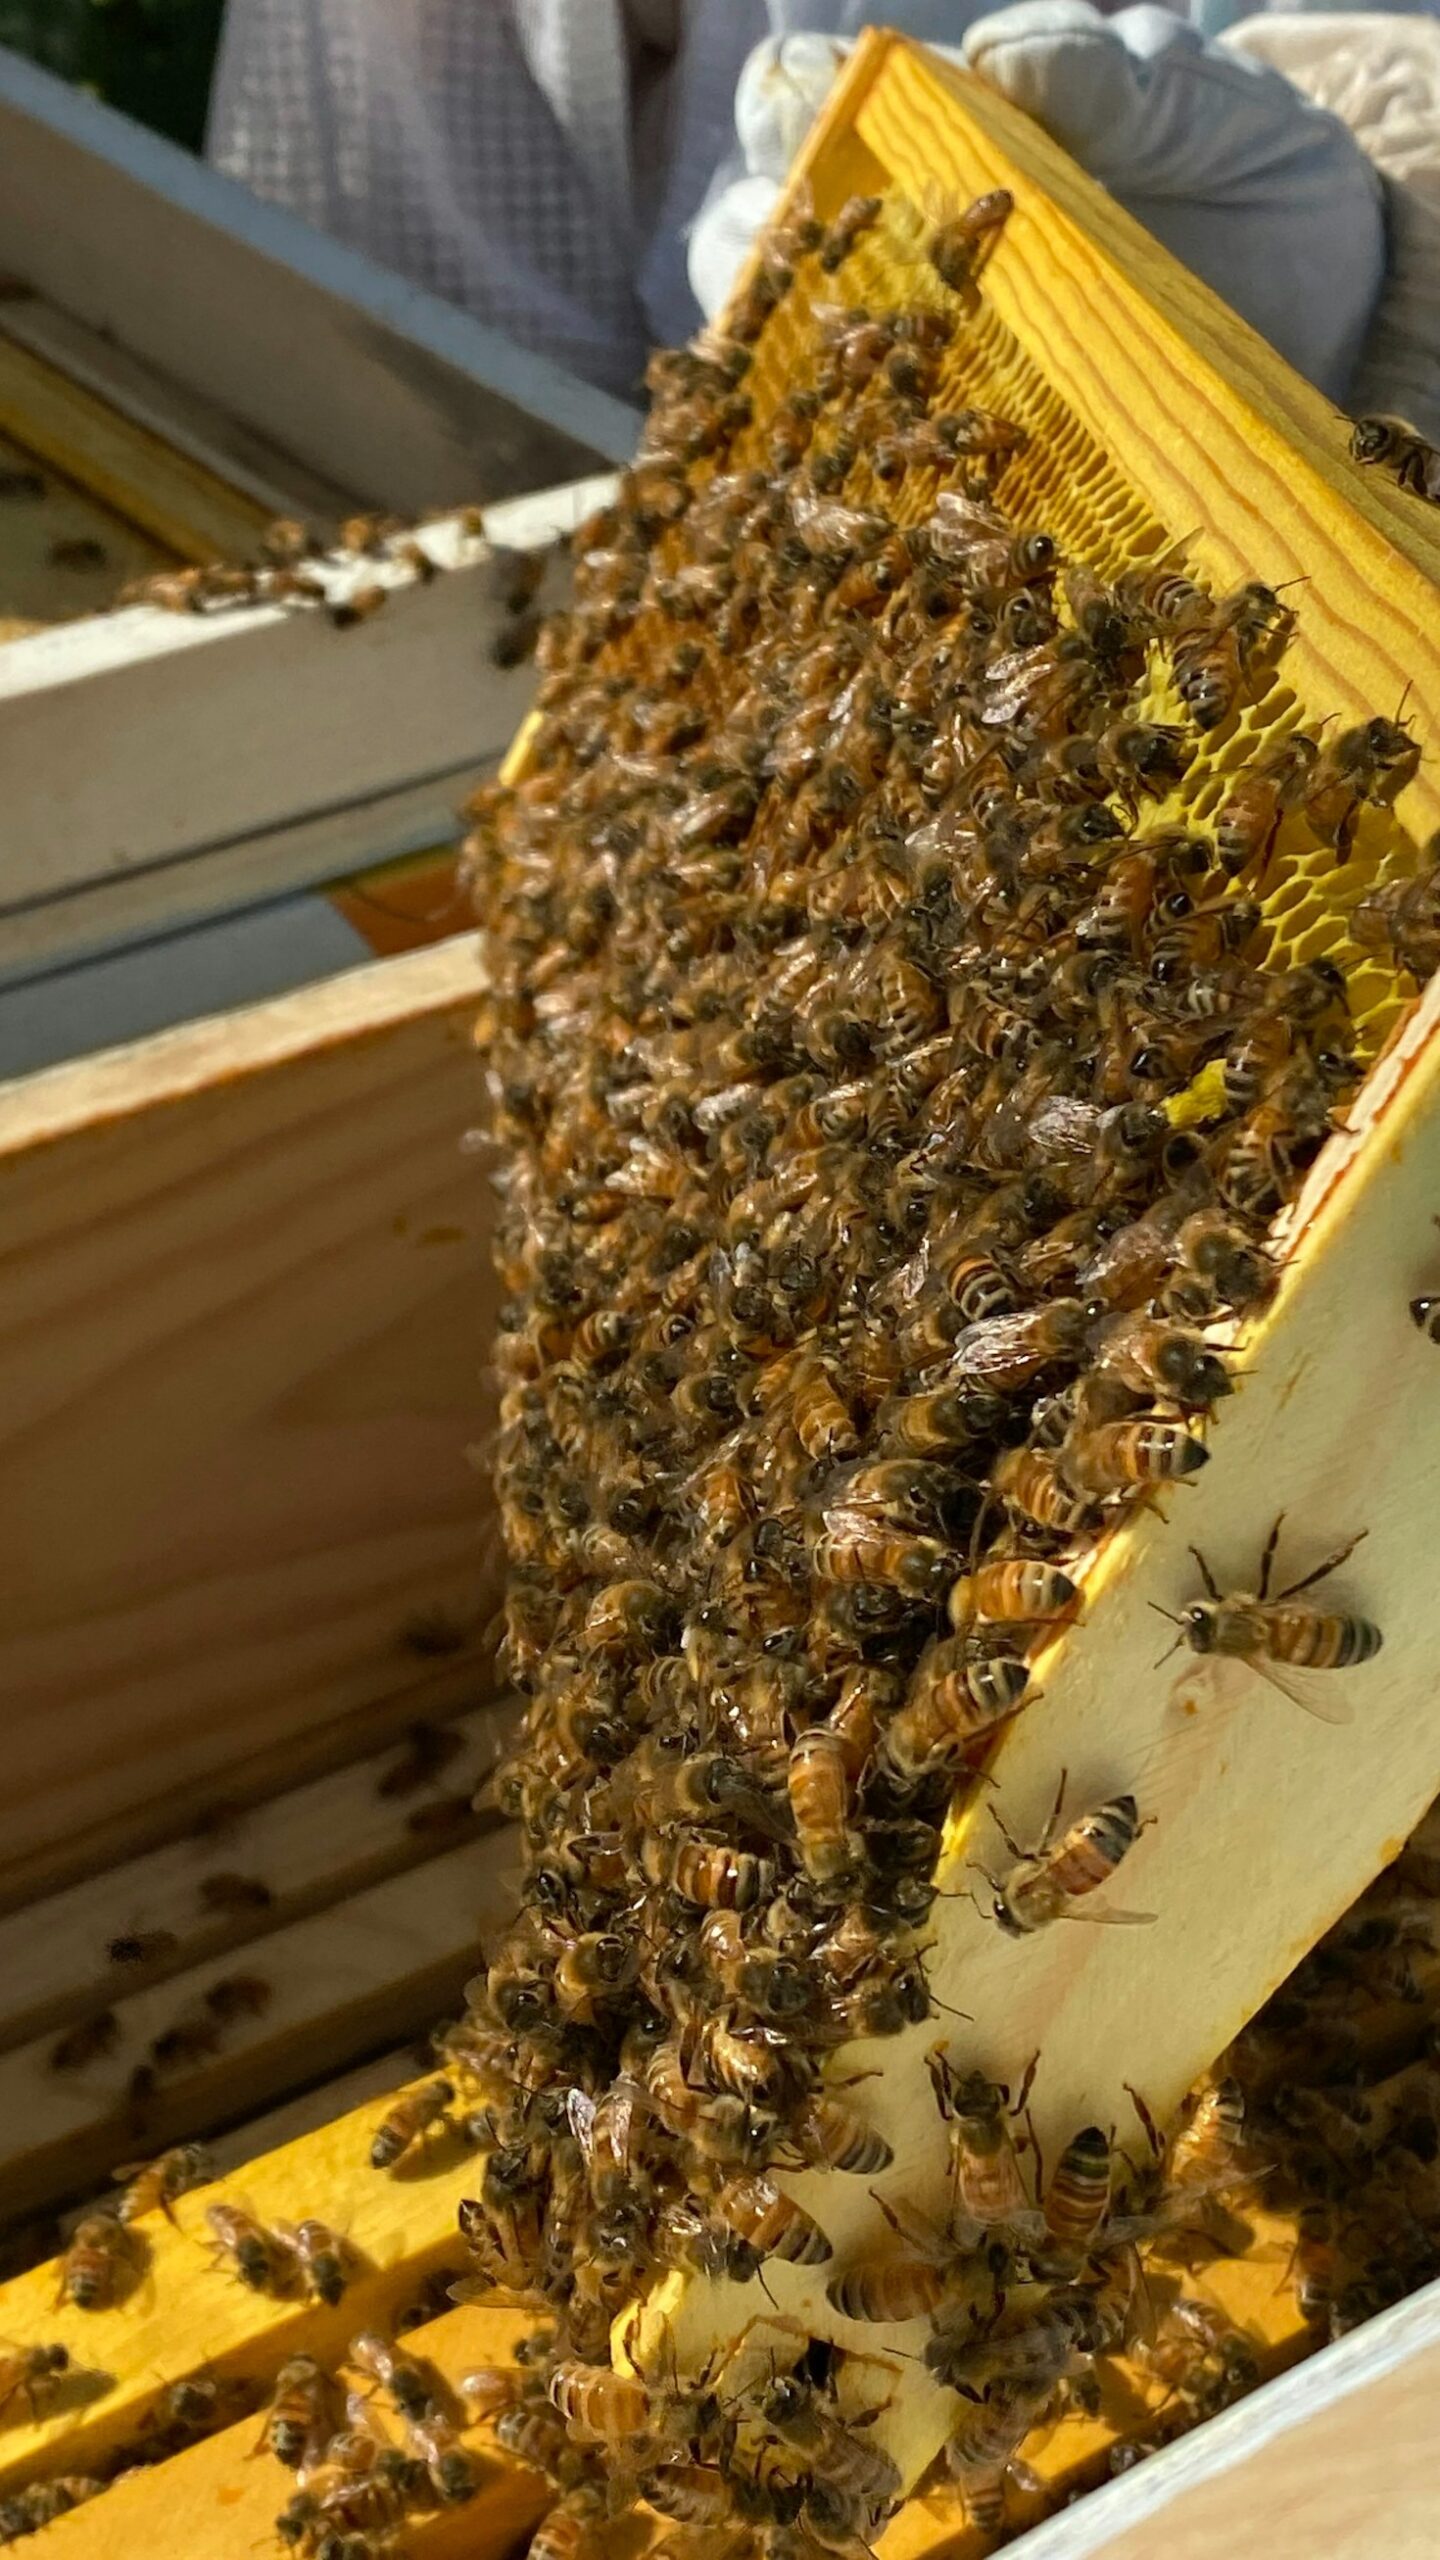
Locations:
(1264, 195)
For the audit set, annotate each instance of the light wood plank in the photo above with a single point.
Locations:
(138, 792)
(168, 495)
(218, 2500)
(245, 1293)
(310, 1847)
(381, 1964)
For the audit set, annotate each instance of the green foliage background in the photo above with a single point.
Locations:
(153, 58)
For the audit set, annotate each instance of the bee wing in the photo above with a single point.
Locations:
(1320, 1703)
(1113, 1919)
(580, 2108)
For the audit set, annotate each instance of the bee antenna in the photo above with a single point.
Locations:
(1169, 1615)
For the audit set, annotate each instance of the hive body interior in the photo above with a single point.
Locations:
(648, 1620)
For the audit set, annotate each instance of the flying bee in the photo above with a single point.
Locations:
(1251, 1627)
(413, 2116)
(755, 2211)
(857, 215)
(152, 2186)
(1066, 1866)
(259, 2257)
(1121, 1457)
(396, 2373)
(1399, 448)
(300, 2410)
(28, 2372)
(959, 247)
(94, 2264)
(818, 1784)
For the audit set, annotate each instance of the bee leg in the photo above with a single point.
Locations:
(1332, 1564)
(1208, 1578)
(1148, 2125)
(1027, 2084)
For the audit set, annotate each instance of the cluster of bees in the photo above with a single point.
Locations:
(895, 1093)
(356, 2486)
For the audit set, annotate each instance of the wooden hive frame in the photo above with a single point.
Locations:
(1267, 481)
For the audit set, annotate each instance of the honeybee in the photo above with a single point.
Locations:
(986, 2436)
(259, 2257)
(857, 215)
(396, 2373)
(33, 2508)
(571, 2530)
(1216, 660)
(1265, 1632)
(1402, 918)
(610, 2408)
(796, 2412)
(759, 1977)
(951, 1703)
(1205, 2149)
(95, 2262)
(142, 1946)
(1006, 1352)
(1066, 1866)
(770, 2223)
(1030, 1484)
(828, 2135)
(1367, 765)
(1076, 2201)
(454, 2472)
(822, 1422)
(1399, 448)
(1269, 789)
(818, 1783)
(1120, 1457)
(1029, 2357)
(891, 2287)
(410, 2120)
(708, 1874)
(989, 2184)
(322, 2256)
(959, 247)
(87, 2042)
(154, 2185)
(28, 2372)
(239, 1995)
(300, 2410)
(429, 1750)
(1017, 1590)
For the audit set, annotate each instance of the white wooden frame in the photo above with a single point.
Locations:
(160, 767)
(258, 341)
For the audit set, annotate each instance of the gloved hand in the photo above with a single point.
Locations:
(1265, 196)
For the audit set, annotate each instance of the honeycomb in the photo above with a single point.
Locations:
(815, 1243)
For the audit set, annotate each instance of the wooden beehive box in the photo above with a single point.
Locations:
(285, 1230)
(179, 365)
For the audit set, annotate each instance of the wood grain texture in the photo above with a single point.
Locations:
(192, 511)
(1219, 434)
(245, 1293)
(384, 1963)
(187, 2314)
(1334, 2462)
(219, 2499)
(310, 1847)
